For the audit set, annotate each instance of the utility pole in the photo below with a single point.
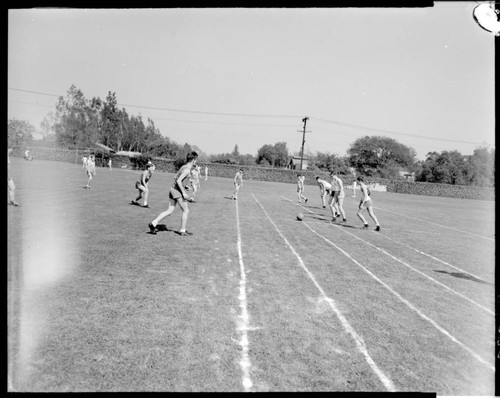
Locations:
(303, 141)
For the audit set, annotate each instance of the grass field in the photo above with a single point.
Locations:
(253, 301)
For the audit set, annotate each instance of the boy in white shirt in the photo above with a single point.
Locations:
(366, 201)
(339, 196)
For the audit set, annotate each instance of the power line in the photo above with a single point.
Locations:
(170, 109)
(208, 113)
(395, 133)
(263, 116)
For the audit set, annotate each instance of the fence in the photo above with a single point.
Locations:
(263, 173)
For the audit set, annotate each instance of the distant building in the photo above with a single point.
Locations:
(409, 176)
(294, 163)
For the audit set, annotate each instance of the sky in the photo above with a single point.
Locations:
(221, 77)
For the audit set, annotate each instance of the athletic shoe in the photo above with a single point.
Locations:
(133, 202)
(344, 220)
(377, 228)
(185, 233)
(146, 206)
(152, 228)
(324, 207)
(365, 226)
(305, 201)
(13, 203)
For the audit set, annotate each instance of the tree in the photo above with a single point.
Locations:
(236, 151)
(47, 126)
(483, 167)
(273, 155)
(19, 133)
(329, 162)
(76, 120)
(266, 155)
(447, 167)
(281, 153)
(380, 156)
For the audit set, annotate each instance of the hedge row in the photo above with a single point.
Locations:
(272, 174)
(447, 190)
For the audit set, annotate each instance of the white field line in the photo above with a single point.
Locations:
(439, 225)
(388, 384)
(420, 272)
(434, 258)
(410, 305)
(414, 269)
(243, 321)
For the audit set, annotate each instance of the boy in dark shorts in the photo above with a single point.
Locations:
(178, 195)
(366, 201)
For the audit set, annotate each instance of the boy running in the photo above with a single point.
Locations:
(339, 195)
(300, 187)
(366, 201)
(238, 182)
(142, 185)
(178, 195)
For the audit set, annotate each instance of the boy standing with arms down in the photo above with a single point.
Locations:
(195, 181)
(300, 187)
(11, 196)
(90, 167)
(178, 195)
(366, 201)
(238, 182)
(339, 196)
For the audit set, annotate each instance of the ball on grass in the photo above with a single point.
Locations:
(300, 216)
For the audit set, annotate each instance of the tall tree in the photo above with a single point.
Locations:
(110, 126)
(19, 133)
(329, 162)
(483, 166)
(281, 153)
(447, 167)
(273, 155)
(266, 155)
(380, 156)
(76, 120)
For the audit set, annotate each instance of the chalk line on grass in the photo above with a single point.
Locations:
(433, 223)
(434, 258)
(420, 272)
(386, 381)
(414, 269)
(410, 305)
(243, 319)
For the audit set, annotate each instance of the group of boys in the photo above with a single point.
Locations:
(335, 193)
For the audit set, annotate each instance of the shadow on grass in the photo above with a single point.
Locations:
(348, 226)
(228, 197)
(464, 275)
(136, 204)
(160, 228)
